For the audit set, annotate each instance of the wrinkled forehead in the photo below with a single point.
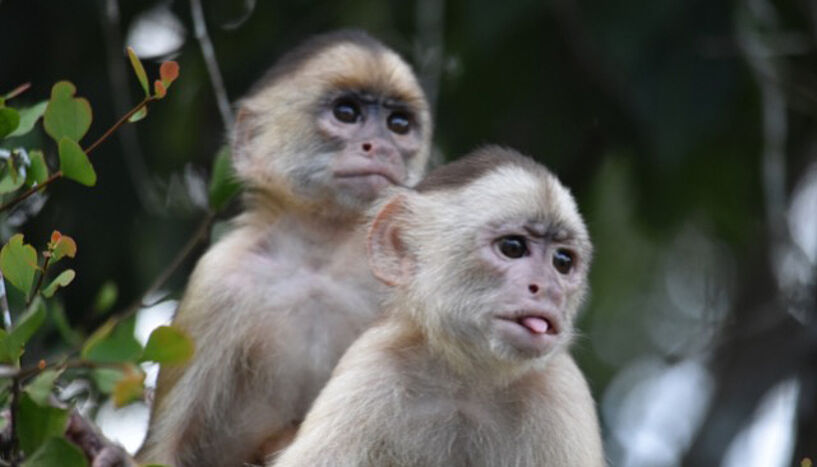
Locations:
(514, 195)
(373, 70)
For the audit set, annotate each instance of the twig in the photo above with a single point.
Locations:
(212, 65)
(17, 91)
(56, 175)
(119, 123)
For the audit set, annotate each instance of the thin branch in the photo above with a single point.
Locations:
(119, 123)
(212, 65)
(17, 91)
(56, 175)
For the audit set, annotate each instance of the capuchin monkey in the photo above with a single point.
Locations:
(488, 263)
(274, 304)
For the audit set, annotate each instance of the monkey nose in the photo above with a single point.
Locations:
(533, 288)
(367, 146)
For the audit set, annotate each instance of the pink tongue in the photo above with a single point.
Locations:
(535, 324)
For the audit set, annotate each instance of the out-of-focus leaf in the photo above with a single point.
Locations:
(62, 280)
(66, 116)
(129, 389)
(74, 163)
(139, 70)
(7, 351)
(26, 326)
(18, 262)
(168, 345)
(223, 182)
(106, 297)
(61, 246)
(142, 113)
(38, 170)
(29, 117)
(106, 378)
(159, 89)
(56, 452)
(9, 121)
(37, 423)
(168, 72)
(114, 345)
(10, 178)
(68, 334)
(40, 388)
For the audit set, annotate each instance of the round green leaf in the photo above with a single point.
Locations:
(168, 345)
(28, 324)
(57, 451)
(106, 297)
(18, 262)
(66, 116)
(9, 121)
(61, 280)
(29, 117)
(74, 164)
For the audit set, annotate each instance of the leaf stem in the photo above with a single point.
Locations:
(39, 281)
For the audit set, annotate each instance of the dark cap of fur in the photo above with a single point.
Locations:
(313, 46)
(475, 165)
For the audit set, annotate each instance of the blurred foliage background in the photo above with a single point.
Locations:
(686, 129)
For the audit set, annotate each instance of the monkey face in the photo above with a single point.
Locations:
(375, 140)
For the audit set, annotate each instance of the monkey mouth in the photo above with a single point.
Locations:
(374, 171)
(536, 323)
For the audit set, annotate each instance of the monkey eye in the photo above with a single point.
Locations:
(399, 122)
(346, 111)
(513, 246)
(563, 261)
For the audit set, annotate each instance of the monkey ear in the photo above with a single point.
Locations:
(389, 258)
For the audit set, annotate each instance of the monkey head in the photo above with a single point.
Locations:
(333, 123)
(489, 253)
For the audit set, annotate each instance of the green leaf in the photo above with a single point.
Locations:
(38, 170)
(142, 113)
(29, 117)
(74, 164)
(18, 261)
(139, 70)
(61, 280)
(57, 452)
(8, 352)
(106, 378)
(40, 388)
(10, 179)
(130, 388)
(168, 345)
(9, 121)
(113, 344)
(66, 116)
(106, 297)
(26, 326)
(36, 423)
(223, 182)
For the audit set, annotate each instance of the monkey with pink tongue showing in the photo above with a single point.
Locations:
(488, 263)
